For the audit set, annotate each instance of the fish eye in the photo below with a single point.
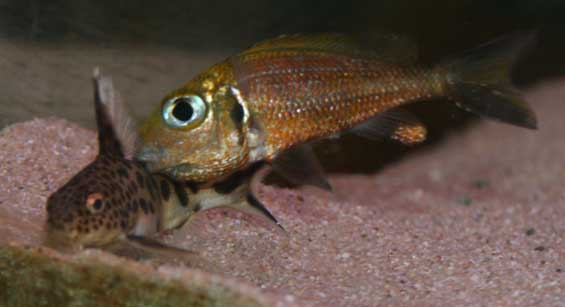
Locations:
(179, 112)
(95, 202)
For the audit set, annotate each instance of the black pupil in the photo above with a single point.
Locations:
(182, 109)
(97, 204)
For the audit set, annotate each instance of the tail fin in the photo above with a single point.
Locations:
(480, 81)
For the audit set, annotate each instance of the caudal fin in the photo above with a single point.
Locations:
(479, 81)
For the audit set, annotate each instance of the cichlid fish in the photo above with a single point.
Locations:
(263, 103)
(116, 198)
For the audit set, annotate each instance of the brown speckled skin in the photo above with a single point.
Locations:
(128, 193)
(111, 197)
(291, 95)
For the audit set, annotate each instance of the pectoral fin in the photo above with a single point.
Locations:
(153, 246)
(240, 199)
(299, 165)
(253, 206)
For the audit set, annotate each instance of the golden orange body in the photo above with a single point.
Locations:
(290, 90)
(297, 96)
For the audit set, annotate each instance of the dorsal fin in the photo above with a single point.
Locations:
(382, 46)
(116, 135)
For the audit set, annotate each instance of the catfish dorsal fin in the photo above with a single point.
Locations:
(116, 134)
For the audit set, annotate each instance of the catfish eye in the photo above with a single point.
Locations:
(95, 202)
(184, 111)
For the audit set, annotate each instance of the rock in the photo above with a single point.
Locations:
(33, 276)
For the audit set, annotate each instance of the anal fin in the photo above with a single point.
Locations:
(409, 133)
(396, 124)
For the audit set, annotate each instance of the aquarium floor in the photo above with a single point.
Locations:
(478, 219)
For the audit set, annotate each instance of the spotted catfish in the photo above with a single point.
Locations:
(115, 198)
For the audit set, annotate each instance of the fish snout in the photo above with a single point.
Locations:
(57, 238)
(57, 212)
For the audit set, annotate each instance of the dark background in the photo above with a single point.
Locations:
(441, 27)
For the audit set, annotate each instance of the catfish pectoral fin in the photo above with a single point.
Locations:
(257, 208)
(154, 246)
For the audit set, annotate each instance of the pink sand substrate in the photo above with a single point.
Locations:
(476, 220)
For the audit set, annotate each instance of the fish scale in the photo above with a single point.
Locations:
(295, 89)
(311, 93)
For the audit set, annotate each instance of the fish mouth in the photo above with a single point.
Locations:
(155, 159)
(179, 170)
(58, 238)
(69, 240)
(150, 154)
